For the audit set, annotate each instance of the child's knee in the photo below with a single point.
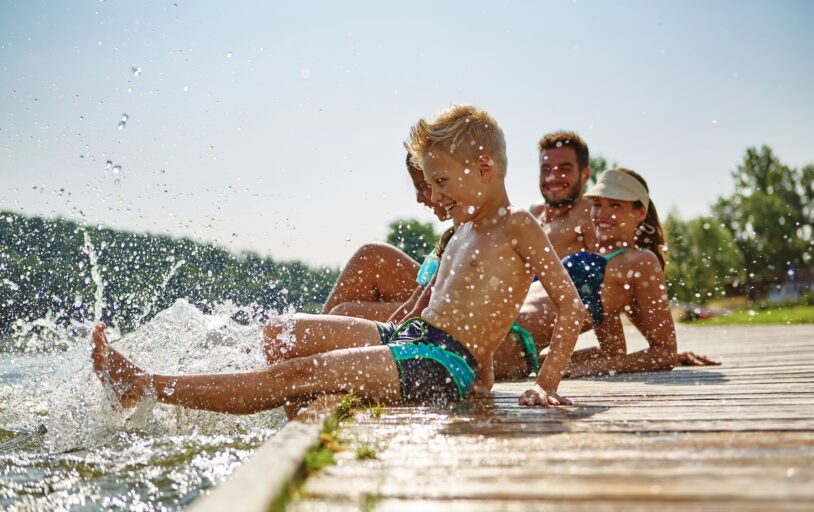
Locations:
(373, 253)
(277, 336)
(345, 309)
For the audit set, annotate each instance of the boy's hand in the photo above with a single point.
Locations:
(538, 396)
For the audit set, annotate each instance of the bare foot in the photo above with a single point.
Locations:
(127, 381)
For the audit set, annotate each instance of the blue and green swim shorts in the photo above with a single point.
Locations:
(433, 366)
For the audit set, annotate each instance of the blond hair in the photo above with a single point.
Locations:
(466, 131)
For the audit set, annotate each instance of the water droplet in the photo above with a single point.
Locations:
(471, 210)
(135, 70)
(117, 169)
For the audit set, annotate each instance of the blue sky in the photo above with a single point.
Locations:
(277, 127)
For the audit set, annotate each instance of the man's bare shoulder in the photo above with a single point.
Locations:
(580, 216)
(582, 207)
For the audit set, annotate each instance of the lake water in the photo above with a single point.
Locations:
(63, 447)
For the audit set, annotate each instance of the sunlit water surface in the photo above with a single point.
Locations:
(63, 447)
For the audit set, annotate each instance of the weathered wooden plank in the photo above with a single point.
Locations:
(384, 504)
(734, 437)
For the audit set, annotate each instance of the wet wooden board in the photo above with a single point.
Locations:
(734, 437)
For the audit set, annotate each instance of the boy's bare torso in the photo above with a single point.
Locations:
(482, 284)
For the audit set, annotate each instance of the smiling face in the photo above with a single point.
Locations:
(455, 186)
(423, 193)
(561, 179)
(615, 221)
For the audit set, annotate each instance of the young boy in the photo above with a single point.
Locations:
(444, 354)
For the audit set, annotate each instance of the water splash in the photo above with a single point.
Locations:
(180, 339)
(115, 170)
(62, 443)
(95, 276)
(148, 308)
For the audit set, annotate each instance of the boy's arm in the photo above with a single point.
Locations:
(536, 250)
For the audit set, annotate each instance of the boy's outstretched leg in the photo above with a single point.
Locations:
(369, 371)
(127, 380)
(289, 337)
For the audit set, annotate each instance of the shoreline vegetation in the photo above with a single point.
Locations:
(60, 272)
(781, 314)
(741, 311)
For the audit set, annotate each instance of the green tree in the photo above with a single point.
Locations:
(415, 238)
(63, 272)
(599, 163)
(704, 261)
(769, 216)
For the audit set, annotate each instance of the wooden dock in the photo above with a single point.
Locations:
(735, 437)
(738, 437)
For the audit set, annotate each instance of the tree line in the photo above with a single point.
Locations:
(60, 272)
(753, 241)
